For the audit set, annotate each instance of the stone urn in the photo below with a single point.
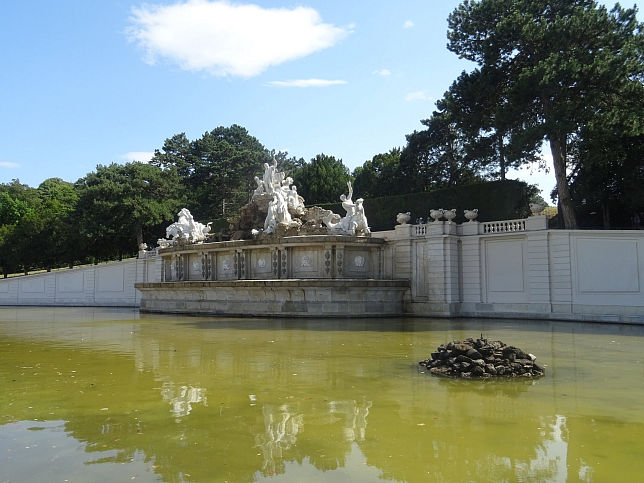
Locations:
(449, 214)
(403, 218)
(436, 214)
(471, 214)
(536, 208)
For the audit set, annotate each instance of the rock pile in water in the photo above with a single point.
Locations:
(481, 358)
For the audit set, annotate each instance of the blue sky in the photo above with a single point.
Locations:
(87, 82)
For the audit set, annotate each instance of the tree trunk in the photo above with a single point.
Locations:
(605, 215)
(502, 167)
(557, 148)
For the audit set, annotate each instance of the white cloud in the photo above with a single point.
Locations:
(382, 72)
(229, 39)
(141, 156)
(307, 83)
(5, 164)
(408, 24)
(418, 96)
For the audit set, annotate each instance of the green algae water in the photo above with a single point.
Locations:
(91, 395)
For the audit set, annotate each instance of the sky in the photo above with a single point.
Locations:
(87, 82)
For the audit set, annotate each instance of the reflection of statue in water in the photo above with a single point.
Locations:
(355, 414)
(186, 229)
(182, 398)
(281, 428)
(355, 221)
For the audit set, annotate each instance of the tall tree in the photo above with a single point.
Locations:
(57, 240)
(216, 170)
(562, 58)
(379, 176)
(322, 180)
(436, 157)
(11, 209)
(118, 203)
(478, 103)
(19, 222)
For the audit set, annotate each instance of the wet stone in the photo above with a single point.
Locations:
(481, 358)
(473, 354)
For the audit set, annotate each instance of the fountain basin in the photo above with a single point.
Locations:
(283, 298)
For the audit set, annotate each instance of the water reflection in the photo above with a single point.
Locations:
(355, 418)
(272, 399)
(182, 398)
(280, 433)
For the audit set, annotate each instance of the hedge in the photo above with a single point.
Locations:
(495, 200)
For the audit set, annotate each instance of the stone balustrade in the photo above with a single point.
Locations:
(300, 257)
(503, 226)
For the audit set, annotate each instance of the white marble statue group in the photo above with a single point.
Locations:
(285, 198)
(285, 204)
(355, 221)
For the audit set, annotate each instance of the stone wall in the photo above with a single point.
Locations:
(110, 284)
(283, 298)
(511, 268)
(518, 268)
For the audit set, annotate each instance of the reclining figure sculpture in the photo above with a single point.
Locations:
(186, 229)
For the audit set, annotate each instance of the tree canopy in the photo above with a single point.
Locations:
(565, 63)
(117, 202)
(215, 171)
(437, 157)
(379, 176)
(322, 180)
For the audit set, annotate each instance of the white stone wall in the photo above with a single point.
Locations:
(520, 269)
(501, 269)
(110, 284)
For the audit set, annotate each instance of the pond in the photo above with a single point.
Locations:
(114, 395)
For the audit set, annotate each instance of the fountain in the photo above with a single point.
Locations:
(283, 259)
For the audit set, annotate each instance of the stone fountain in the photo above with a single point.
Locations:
(283, 259)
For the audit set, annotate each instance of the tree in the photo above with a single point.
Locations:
(322, 180)
(608, 177)
(10, 209)
(436, 157)
(118, 204)
(477, 102)
(18, 222)
(216, 171)
(57, 241)
(289, 166)
(563, 59)
(379, 176)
